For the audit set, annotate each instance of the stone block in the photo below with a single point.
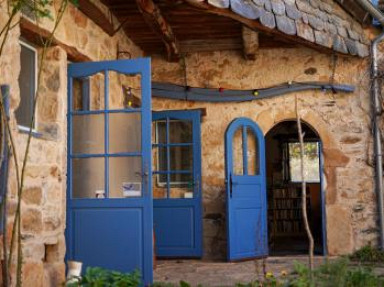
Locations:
(335, 158)
(34, 251)
(33, 274)
(31, 221)
(32, 195)
(339, 230)
(54, 274)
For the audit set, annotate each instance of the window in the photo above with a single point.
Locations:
(311, 162)
(180, 152)
(27, 84)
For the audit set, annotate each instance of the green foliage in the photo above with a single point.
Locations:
(368, 254)
(180, 284)
(99, 277)
(310, 150)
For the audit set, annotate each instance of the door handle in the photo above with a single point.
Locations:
(144, 174)
(230, 185)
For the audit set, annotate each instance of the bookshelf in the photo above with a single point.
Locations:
(284, 211)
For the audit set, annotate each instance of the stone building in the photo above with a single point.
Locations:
(315, 52)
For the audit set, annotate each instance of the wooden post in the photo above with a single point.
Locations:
(250, 43)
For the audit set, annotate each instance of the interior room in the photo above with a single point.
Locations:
(286, 227)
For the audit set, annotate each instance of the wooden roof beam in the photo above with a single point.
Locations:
(153, 17)
(96, 15)
(250, 43)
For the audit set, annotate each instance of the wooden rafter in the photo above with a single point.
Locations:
(154, 18)
(256, 25)
(96, 15)
(250, 43)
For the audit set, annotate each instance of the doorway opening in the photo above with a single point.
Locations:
(286, 232)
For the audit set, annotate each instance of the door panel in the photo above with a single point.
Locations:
(109, 203)
(246, 190)
(177, 200)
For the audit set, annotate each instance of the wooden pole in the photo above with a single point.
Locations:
(304, 190)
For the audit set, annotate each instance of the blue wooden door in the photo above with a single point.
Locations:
(109, 201)
(176, 189)
(246, 190)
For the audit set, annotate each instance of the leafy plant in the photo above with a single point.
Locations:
(180, 284)
(368, 254)
(100, 277)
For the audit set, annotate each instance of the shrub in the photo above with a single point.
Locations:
(368, 254)
(333, 274)
(99, 277)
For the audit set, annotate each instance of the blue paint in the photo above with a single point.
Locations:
(323, 209)
(375, 21)
(178, 221)
(4, 170)
(171, 91)
(114, 233)
(247, 232)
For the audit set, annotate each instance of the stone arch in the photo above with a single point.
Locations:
(333, 158)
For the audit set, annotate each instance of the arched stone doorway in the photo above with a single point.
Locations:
(285, 220)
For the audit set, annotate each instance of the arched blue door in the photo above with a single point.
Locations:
(246, 190)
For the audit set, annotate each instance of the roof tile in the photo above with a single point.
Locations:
(292, 12)
(278, 7)
(268, 20)
(322, 22)
(246, 8)
(286, 25)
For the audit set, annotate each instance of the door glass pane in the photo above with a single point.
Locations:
(237, 150)
(125, 179)
(252, 153)
(88, 134)
(88, 93)
(182, 186)
(161, 156)
(180, 131)
(161, 132)
(124, 132)
(124, 90)
(88, 178)
(181, 158)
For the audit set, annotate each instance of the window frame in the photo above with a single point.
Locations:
(317, 142)
(23, 128)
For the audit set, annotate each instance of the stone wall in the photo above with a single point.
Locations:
(341, 120)
(43, 200)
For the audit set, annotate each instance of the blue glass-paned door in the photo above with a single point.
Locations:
(176, 184)
(246, 190)
(109, 199)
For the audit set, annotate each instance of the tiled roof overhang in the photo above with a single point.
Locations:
(319, 22)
